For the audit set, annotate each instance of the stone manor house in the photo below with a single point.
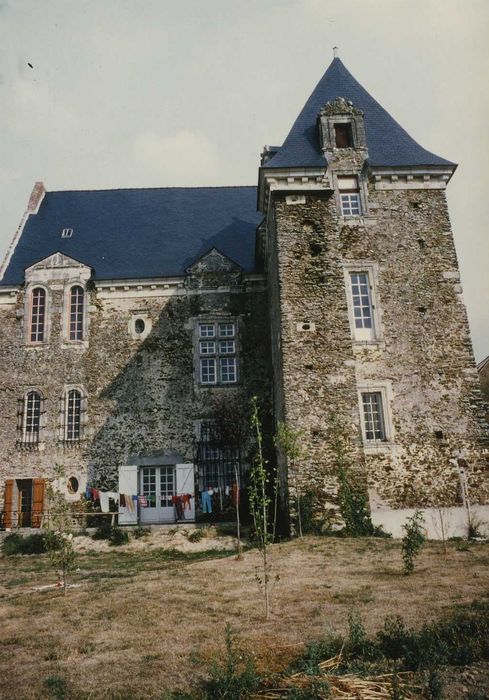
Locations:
(329, 290)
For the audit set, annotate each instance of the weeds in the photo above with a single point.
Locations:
(412, 541)
(17, 544)
(232, 679)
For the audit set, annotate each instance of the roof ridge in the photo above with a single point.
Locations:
(143, 189)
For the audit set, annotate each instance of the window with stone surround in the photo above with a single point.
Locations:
(217, 360)
(73, 415)
(343, 135)
(37, 321)
(349, 193)
(30, 413)
(362, 300)
(76, 312)
(374, 402)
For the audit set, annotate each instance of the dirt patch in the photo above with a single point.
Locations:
(158, 539)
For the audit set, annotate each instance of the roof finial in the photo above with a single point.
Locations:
(335, 51)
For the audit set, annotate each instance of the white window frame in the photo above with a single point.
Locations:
(363, 335)
(64, 415)
(348, 179)
(30, 308)
(383, 388)
(216, 340)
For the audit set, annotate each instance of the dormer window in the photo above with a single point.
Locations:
(343, 135)
(66, 233)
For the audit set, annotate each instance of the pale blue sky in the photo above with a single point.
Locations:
(137, 93)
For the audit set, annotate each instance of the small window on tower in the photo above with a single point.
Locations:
(343, 136)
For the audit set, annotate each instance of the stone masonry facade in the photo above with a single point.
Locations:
(349, 323)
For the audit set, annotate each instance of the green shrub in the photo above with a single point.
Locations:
(118, 537)
(413, 540)
(140, 532)
(103, 531)
(18, 544)
(195, 535)
(56, 687)
(233, 679)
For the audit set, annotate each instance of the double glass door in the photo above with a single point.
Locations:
(157, 485)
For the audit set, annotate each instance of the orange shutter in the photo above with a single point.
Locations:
(8, 502)
(38, 489)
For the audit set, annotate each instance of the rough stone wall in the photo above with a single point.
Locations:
(142, 395)
(315, 387)
(424, 351)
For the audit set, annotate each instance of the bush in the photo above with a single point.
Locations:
(413, 540)
(18, 544)
(118, 537)
(140, 532)
(103, 531)
(235, 678)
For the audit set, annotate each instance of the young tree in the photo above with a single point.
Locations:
(260, 502)
(413, 540)
(58, 537)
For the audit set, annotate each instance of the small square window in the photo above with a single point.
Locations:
(226, 330)
(207, 347)
(227, 347)
(207, 330)
(350, 203)
(343, 135)
(67, 233)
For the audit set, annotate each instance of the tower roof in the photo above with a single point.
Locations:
(388, 144)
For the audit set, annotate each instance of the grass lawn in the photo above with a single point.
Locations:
(146, 621)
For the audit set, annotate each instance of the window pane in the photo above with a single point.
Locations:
(38, 315)
(166, 486)
(207, 330)
(226, 330)
(228, 370)
(362, 305)
(208, 371)
(350, 204)
(373, 416)
(76, 313)
(149, 486)
(73, 415)
(226, 347)
(207, 347)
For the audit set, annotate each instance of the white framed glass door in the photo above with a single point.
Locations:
(157, 486)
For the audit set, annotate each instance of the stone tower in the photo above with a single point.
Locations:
(370, 338)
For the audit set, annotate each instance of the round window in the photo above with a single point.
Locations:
(139, 326)
(72, 484)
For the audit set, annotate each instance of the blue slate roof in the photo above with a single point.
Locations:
(388, 144)
(140, 233)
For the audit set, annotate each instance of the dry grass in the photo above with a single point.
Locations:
(143, 622)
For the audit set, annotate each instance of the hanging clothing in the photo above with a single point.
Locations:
(104, 501)
(122, 500)
(206, 501)
(178, 505)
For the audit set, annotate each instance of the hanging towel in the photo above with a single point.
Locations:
(134, 503)
(143, 501)
(122, 500)
(88, 492)
(104, 501)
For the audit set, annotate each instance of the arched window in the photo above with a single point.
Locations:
(30, 418)
(38, 315)
(73, 415)
(77, 297)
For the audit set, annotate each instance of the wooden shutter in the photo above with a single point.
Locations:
(8, 502)
(38, 489)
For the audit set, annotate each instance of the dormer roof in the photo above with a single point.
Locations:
(389, 145)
